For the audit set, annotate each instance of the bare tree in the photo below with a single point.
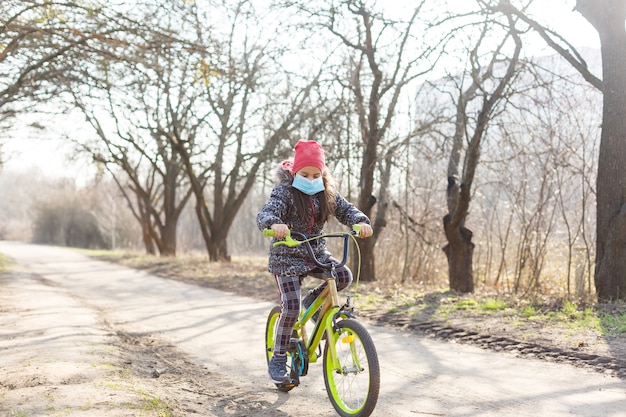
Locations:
(460, 248)
(135, 98)
(527, 216)
(254, 109)
(38, 40)
(608, 18)
(147, 170)
(380, 59)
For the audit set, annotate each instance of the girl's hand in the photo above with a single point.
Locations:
(366, 230)
(280, 230)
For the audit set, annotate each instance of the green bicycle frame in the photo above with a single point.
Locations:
(328, 300)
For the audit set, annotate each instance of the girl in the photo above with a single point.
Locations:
(303, 199)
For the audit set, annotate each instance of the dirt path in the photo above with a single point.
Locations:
(87, 338)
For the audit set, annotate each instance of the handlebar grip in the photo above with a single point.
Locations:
(289, 241)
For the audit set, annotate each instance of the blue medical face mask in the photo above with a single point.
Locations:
(309, 187)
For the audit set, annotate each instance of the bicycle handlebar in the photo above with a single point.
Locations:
(306, 239)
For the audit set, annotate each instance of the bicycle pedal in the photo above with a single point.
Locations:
(286, 386)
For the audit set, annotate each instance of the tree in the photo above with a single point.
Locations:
(608, 18)
(540, 173)
(378, 63)
(487, 86)
(37, 41)
(254, 107)
(67, 223)
(134, 98)
(146, 168)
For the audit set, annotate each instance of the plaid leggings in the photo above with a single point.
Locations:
(290, 294)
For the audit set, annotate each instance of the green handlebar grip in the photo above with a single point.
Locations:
(289, 241)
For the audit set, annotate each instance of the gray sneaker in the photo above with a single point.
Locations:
(278, 369)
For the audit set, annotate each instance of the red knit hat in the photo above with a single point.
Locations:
(308, 154)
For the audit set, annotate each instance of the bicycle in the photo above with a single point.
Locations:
(350, 361)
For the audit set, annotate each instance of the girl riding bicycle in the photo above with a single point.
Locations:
(302, 201)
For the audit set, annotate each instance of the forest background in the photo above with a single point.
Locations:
(177, 113)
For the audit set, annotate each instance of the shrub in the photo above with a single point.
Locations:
(67, 224)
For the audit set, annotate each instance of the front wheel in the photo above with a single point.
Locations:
(353, 382)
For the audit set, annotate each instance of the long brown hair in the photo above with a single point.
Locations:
(328, 199)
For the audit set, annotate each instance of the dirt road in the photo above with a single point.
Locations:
(81, 337)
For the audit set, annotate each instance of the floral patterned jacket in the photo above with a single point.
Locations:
(280, 208)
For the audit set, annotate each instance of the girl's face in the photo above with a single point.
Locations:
(310, 173)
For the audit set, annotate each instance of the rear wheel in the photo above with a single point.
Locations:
(353, 384)
(270, 330)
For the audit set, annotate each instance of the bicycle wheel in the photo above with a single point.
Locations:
(353, 387)
(270, 328)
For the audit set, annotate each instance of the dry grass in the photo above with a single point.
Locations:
(243, 275)
(248, 276)
(550, 320)
(5, 262)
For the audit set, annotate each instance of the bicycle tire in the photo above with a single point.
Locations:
(270, 329)
(353, 390)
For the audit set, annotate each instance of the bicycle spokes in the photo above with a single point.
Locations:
(352, 377)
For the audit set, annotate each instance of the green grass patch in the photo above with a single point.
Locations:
(570, 315)
(369, 301)
(452, 307)
(528, 336)
(115, 386)
(613, 324)
(155, 405)
(565, 315)
(493, 305)
(5, 263)
(408, 307)
(461, 305)
(466, 304)
(530, 313)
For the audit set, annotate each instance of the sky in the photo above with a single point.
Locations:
(559, 14)
(31, 149)
(48, 155)
(51, 156)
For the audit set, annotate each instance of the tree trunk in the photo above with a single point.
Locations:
(171, 208)
(366, 246)
(146, 227)
(368, 262)
(610, 274)
(608, 17)
(460, 248)
(218, 247)
(147, 239)
(460, 252)
(168, 237)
